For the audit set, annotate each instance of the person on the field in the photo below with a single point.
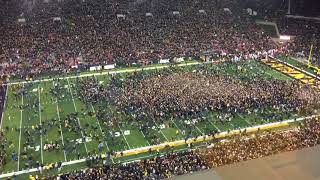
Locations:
(100, 146)
(14, 156)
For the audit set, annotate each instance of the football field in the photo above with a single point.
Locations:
(33, 121)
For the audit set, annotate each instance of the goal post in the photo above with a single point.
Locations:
(313, 62)
(310, 56)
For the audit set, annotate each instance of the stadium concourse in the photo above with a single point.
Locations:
(150, 89)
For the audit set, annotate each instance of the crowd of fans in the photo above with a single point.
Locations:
(161, 167)
(91, 34)
(169, 94)
(305, 33)
(91, 90)
(262, 145)
(3, 142)
(3, 153)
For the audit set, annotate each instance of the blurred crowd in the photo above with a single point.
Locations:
(90, 33)
(169, 94)
(92, 91)
(161, 167)
(3, 153)
(263, 144)
(67, 35)
(305, 33)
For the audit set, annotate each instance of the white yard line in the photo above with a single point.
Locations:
(176, 125)
(197, 128)
(244, 119)
(121, 132)
(230, 122)
(124, 137)
(103, 134)
(61, 134)
(144, 137)
(75, 108)
(105, 142)
(20, 131)
(213, 124)
(119, 127)
(264, 72)
(4, 106)
(41, 147)
(161, 131)
(100, 127)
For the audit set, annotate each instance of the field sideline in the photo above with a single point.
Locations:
(116, 71)
(128, 136)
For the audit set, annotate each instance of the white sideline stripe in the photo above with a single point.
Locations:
(108, 72)
(4, 106)
(138, 159)
(163, 144)
(20, 130)
(41, 125)
(75, 108)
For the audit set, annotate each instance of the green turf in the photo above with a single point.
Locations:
(52, 108)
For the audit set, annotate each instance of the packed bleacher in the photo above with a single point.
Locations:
(161, 167)
(306, 33)
(89, 34)
(262, 145)
(3, 145)
(86, 33)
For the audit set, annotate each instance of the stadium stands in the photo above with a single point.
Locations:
(88, 35)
